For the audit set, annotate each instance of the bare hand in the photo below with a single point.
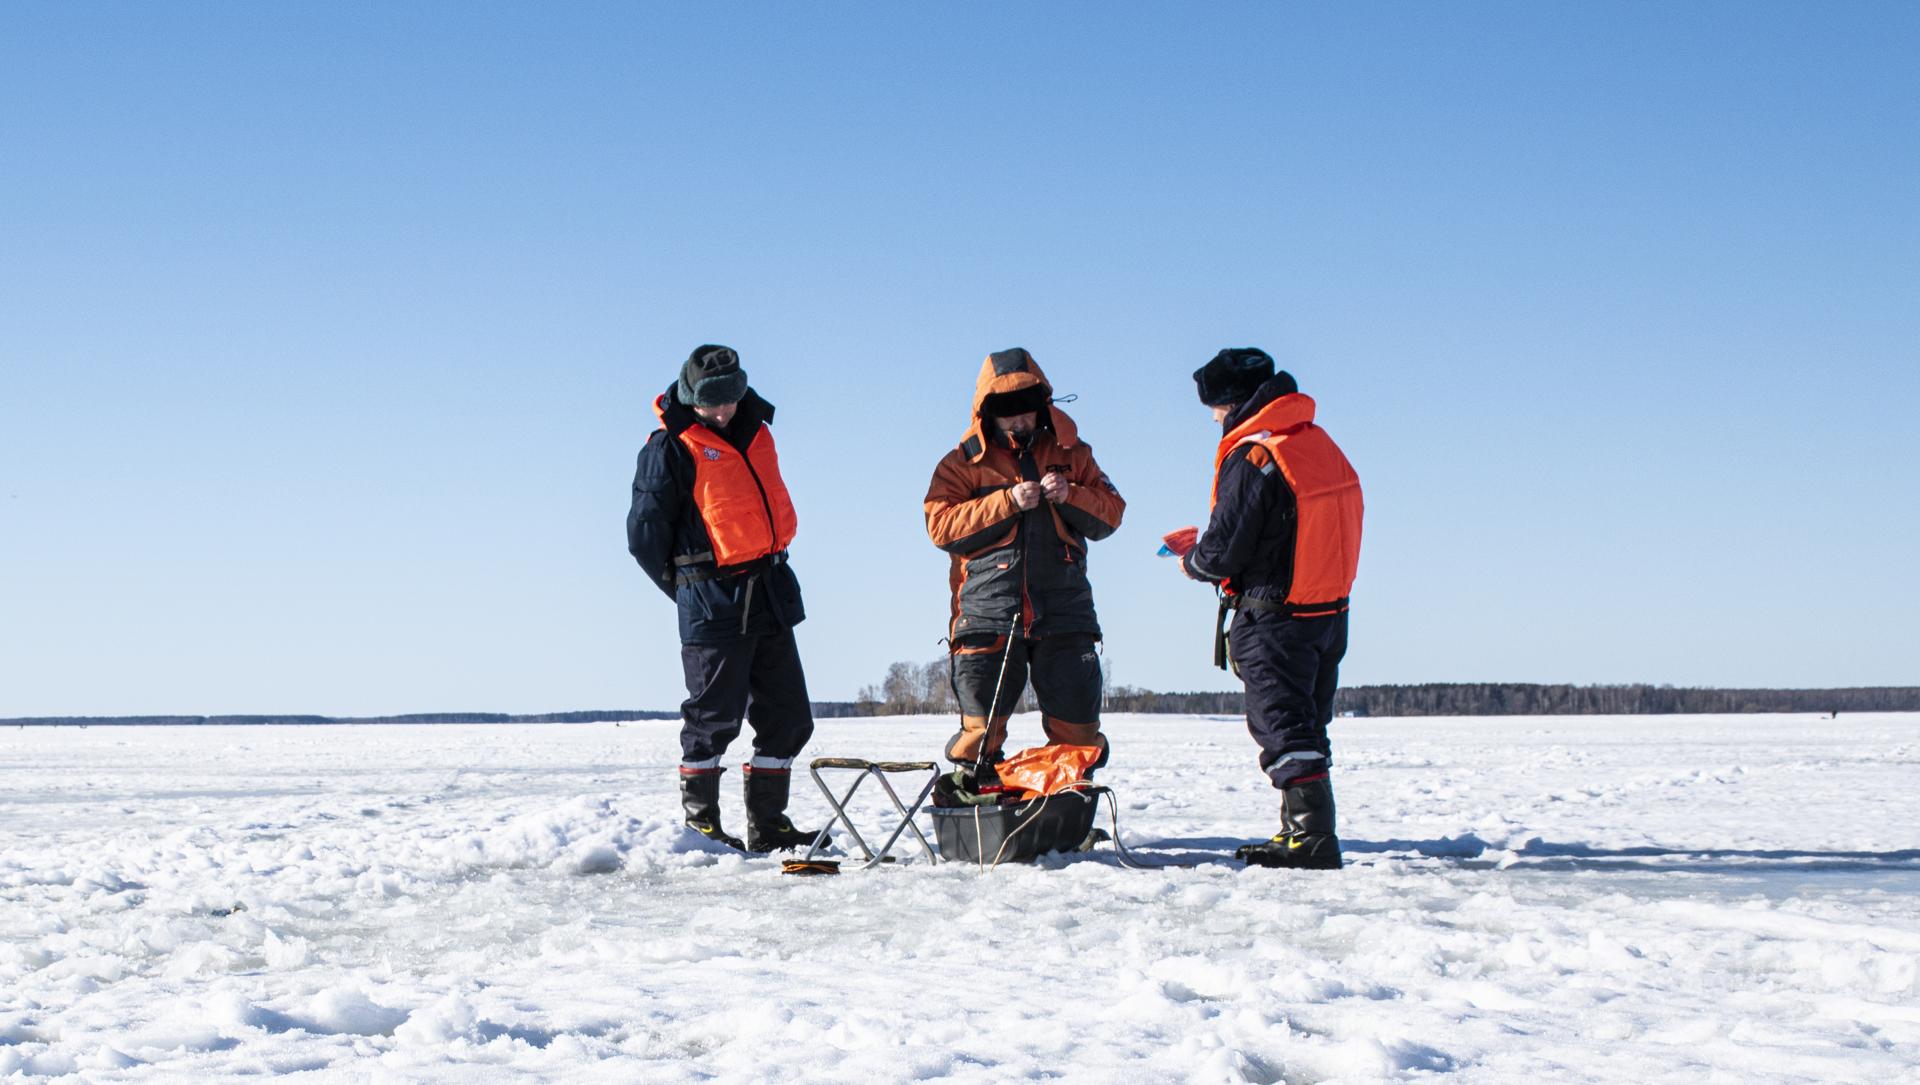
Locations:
(1055, 485)
(1027, 495)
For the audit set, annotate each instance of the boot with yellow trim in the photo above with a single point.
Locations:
(1306, 840)
(768, 828)
(700, 799)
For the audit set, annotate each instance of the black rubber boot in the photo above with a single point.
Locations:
(700, 798)
(1306, 839)
(767, 826)
(962, 786)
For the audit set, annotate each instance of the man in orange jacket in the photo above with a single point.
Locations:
(1282, 544)
(1016, 504)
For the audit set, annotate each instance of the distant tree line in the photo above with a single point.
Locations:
(916, 689)
(924, 689)
(1522, 699)
(600, 716)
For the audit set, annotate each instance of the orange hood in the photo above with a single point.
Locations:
(1012, 370)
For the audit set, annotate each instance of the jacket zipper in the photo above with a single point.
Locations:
(1023, 464)
(773, 536)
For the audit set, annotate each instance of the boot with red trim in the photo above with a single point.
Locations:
(1306, 840)
(700, 799)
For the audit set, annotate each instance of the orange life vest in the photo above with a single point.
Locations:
(741, 498)
(1326, 492)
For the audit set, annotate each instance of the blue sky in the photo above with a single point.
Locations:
(328, 332)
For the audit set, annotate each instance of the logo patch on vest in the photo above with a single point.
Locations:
(712, 453)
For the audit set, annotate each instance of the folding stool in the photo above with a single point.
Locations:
(877, 770)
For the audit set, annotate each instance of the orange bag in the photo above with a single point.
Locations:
(1045, 770)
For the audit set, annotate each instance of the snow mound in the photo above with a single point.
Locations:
(349, 1010)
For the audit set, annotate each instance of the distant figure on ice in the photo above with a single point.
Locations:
(1015, 504)
(1282, 544)
(710, 524)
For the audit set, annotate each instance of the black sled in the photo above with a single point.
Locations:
(1015, 832)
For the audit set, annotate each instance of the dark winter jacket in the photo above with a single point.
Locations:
(665, 535)
(1007, 561)
(1249, 537)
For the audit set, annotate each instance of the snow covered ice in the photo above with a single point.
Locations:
(1672, 899)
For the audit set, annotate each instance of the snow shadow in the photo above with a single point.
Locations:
(1157, 856)
(1540, 856)
(1470, 852)
(340, 1012)
(1536, 854)
(1187, 850)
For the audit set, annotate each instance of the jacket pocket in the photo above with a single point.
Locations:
(990, 594)
(709, 600)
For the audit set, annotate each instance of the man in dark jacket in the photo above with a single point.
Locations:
(710, 524)
(1282, 544)
(1015, 504)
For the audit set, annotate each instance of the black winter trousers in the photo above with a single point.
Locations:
(1291, 667)
(755, 678)
(1065, 669)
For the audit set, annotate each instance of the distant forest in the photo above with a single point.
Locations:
(923, 690)
(600, 716)
(914, 688)
(1526, 699)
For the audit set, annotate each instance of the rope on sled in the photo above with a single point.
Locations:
(1087, 787)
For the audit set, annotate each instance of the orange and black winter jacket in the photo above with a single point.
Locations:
(1010, 563)
(711, 520)
(1287, 509)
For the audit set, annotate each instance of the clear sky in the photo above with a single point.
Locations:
(328, 332)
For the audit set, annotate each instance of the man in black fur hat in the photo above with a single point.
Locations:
(1282, 544)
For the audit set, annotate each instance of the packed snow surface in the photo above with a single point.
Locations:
(1672, 899)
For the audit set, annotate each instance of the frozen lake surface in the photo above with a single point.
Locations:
(1617, 899)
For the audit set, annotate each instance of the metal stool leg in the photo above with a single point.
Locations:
(878, 770)
(839, 807)
(906, 819)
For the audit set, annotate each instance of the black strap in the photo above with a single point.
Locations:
(746, 609)
(1220, 634)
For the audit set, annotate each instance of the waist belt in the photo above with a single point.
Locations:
(1291, 610)
(1265, 606)
(749, 569)
(687, 575)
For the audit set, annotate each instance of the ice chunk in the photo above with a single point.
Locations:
(350, 1010)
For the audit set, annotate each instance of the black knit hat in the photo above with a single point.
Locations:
(1024, 401)
(712, 377)
(1233, 376)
